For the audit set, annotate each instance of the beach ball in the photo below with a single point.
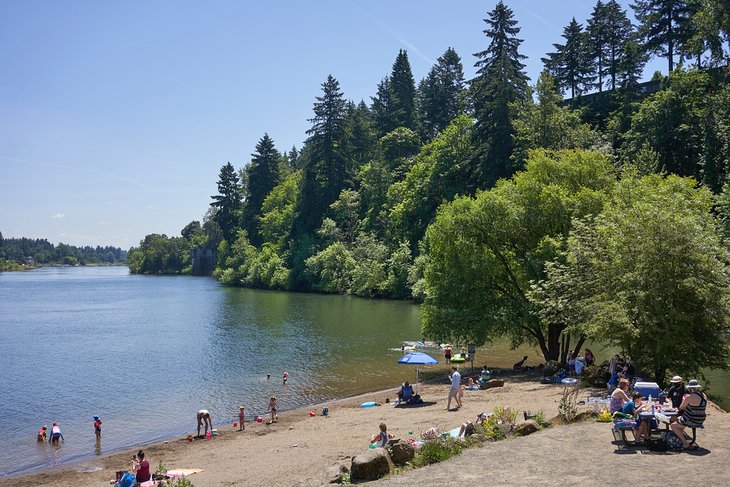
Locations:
(259, 419)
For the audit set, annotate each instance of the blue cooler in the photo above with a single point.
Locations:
(648, 388)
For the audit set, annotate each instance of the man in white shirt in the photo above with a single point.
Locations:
(455, 386)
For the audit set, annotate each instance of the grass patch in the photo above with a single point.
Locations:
(437, 451)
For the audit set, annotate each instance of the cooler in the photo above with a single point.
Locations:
(648, 388)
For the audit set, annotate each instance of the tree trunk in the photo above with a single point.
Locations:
(670, 43)
(580, 343)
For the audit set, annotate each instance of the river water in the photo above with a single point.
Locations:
(146, 352)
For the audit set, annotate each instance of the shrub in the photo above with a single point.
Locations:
(437, 451)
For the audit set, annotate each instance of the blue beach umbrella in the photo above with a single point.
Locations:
(417, 358)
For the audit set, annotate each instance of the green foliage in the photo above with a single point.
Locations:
(648, 275)
(571, 64)
(158, 254)
(277, 210)
(20, 252)
(331, 270)
(484, 252)
(505, 414)
(441, 94)
(437, 451)
(263, 174)
(568, 405)
(243, 265)
(547, 124)
(664, 26)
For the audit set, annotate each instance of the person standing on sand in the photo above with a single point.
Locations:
(241, 418)
(447, 354)
(273, 406)
(455, 388)
(204, 417)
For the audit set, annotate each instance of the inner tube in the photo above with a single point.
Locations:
(368, 404)
(569, 380)
(458, 359)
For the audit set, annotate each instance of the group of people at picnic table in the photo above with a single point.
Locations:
(685, 403)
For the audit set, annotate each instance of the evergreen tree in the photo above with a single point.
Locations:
(380, 107)
(292, 158)
(664, 26)
(570, 64)
(619, 30)
(228, 203)
(402, 106)
(598, 34)
(500, 81)
(441, 94)
(361, 134)
(263, 174)
(327, 171)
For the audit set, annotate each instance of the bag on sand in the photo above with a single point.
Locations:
(657, 444)
(127, 480)
(672, 440)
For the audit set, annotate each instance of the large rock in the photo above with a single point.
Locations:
(551, 367)
(527, 428)
(479, 437)
(492, 383)
(371, 465)
(401, 452)
(333, 474)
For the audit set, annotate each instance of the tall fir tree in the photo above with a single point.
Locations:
(441, 94)
(598, 33)
(571, 63)
(263, 174)
(228, 203)
(665, 26)
(360, 135)
(620, 30)
(327, 170)
(500, 81)
(380, 107)
(402, 107)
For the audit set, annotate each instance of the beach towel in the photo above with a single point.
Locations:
(183, 472)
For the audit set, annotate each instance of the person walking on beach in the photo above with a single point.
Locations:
(273, 407)
(454, 390)
(204, 417)
(56, 434)
(97, 428)
(241, 418)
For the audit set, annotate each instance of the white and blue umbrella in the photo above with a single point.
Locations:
(417, 358)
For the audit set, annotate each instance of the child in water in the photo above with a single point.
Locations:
(97, 427)
(43, 434)
(241, 418)
(273, 406)
(56, 434)
(286, 377)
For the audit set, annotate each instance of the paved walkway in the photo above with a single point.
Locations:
(581, 454)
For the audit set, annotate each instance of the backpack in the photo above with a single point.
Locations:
(657, 444)
(672, 440)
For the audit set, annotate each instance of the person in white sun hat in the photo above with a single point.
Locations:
(676, 391)
(692, 412)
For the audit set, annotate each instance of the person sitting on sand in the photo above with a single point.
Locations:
(619, 397)
(380, 439)
(692, 412)
(141, 468)
(204, 417)
(520, 365)
(56, 434)
(406, 392)
(43, 434)
(273, 407)
(469, 428)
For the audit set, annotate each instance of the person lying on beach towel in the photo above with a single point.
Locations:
(469, 428)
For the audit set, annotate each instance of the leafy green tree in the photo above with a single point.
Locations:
(228, 202)
(440, 171)
(571, 64)
(277, 210)
(648, 275)
(158, 254)
(712, 27)
(547, 124)
(441, 94)
(664, 26)
(263, 174)
(670, 122)
(331, 269)
(484, 252)
(500, 81)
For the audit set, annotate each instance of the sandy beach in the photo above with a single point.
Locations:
(296, 449)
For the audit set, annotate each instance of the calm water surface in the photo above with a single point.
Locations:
(145, 353)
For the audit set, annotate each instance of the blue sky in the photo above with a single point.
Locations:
(115, 117)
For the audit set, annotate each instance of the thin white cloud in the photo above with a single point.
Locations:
(543, 19)
(104, 222)
(409, 45)
(58, 216)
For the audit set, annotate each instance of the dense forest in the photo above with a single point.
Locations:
(505, 208)
(21, 253)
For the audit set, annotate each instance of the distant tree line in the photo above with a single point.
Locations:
(19, 253)
(485, 198)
